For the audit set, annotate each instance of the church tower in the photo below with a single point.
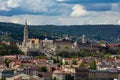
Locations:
(25, 32)
(83, 39)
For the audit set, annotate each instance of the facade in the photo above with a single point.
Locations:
(23, 77)
(63, 75)
(103, 74)
(81, 73)
(4, 73)
(59, 75)
(67, 61)
(63, 45)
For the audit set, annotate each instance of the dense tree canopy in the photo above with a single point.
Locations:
(9, 49)
(110, 33)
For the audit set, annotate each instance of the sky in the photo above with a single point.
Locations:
(60, 12)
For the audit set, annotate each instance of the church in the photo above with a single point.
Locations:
(33, 46)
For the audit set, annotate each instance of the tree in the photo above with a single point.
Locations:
(69, 77)
(7, 62)
(43, 69)
(74, 62)
(93, 65)
(66, 63)
(22, 65)
(66, 47)
(3, 78)
(54, 78)
(107, 55)
(11, 49)
(39, 57)
(83, 65)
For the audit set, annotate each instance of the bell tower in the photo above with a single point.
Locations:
(83, 39)
(25, 32)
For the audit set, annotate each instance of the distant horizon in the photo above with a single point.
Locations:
(58, 25)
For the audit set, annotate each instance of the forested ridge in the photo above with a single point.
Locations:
(110, 33)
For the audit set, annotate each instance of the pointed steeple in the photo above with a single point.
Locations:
(25, 32)
(26, 23)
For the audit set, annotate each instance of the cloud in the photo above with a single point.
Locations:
(60, 12)
(36, 7)
(118, 22)
(3, 6)
(98, 7)
(78, 10)
(13, 3)
(28, 5)
(32, 19)
(87, 1)
(91, 18)
(53, 7)
(60, 0)
(115, 7)
(7, 5)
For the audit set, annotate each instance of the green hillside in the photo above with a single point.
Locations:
(14, 32)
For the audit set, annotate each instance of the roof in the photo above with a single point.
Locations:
(113, 45)
(61, 72)
(63, 42)
(71, 66)
(67, 58)
(104, 71)
(57, 72)
(44, 74)
(10, 56)
(20, 75)
(84, 45)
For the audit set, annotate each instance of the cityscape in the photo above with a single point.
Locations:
(59, 40)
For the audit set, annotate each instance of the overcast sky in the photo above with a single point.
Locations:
(60, 12)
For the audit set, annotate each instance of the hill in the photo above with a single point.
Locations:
(14, 32)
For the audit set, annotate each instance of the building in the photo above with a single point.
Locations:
(83, 39)
(4, 73)
(34, 46)
(67, 61)
(63, 45)
(81, 73)
(23, 77)
(29, 45)
(63, 75)
(103, 74)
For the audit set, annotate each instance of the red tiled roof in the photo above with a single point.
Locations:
(43, 74)
(113, 45)
(67, 58)
(9, 56)
(57, 72)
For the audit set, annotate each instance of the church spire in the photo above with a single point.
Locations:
(26, 23)
(25, 32)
